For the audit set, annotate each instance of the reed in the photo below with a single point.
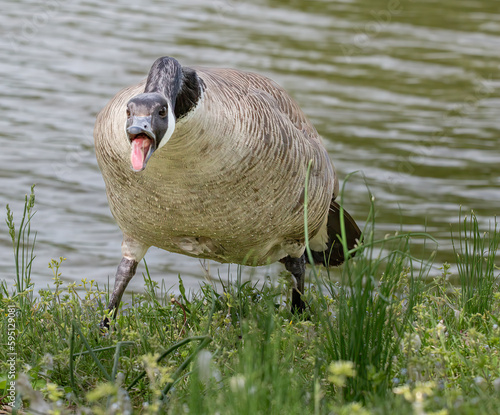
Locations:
(475, 255)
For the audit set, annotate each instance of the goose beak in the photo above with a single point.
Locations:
(143, 142)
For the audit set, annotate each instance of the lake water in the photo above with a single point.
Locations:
(405, 92)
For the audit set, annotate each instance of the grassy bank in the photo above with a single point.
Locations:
(386, 339)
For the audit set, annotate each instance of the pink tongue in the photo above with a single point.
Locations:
(140, 148)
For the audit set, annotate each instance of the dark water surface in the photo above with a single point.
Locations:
(405, 92)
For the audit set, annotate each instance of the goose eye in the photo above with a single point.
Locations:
(128, 113)
(163, 112)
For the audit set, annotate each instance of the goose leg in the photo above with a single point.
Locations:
(297, 267)
(124, 273)
(132, 252)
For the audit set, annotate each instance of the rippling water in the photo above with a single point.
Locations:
(405, 92)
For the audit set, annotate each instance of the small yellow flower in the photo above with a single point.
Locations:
(418, 394)
(53, 393)
(353, 409)
(340, 371)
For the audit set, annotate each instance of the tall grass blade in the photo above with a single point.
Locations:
(170, 350)
(23, 246)
(475, 257)
(92, 354)
(71, 361)
(183, 366)
(375, 302)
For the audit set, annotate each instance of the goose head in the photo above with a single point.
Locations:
(151, 115)
(150, 124)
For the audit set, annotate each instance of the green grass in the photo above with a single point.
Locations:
(384, 339)
(475, 256)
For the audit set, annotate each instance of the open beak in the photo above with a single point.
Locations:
(143, 141)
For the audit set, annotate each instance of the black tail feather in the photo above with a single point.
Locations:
(334, 254)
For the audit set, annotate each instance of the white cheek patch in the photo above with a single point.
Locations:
(170, 130)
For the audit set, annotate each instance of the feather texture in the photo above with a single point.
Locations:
(229, 184)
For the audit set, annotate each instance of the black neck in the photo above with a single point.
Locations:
(190, 92)
(181, 86)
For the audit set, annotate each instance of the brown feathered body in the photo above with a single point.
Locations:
(229, 184)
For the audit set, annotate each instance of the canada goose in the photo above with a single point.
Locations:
(211, 163)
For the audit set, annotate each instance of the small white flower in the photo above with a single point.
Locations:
(481, 382)
(48, 361)
(496, 384)
(204, 365)
(237, 383)
(441, 329)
